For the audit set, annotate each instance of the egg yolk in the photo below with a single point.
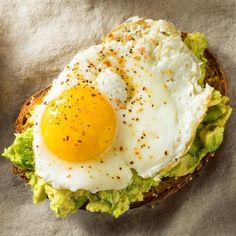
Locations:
(79, 125)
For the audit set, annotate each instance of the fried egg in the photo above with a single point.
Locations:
(132, 102)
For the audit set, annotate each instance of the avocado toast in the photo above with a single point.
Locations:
(141, 191)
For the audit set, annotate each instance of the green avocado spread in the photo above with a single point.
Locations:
(208, 137)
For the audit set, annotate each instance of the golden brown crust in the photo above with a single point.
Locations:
(214, 76)
(25, 112)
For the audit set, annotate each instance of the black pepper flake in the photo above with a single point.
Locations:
(82, 167)
(166, 153)
(137, 119)
(131, 163)
(123, 115)
(165, 103)
(90, 167)
(121, 148)
(93, 95)
(164, 33)
(124, 122)
(112, 177)
(120, 168)
(143, 145)
(118, 177)
(67, 138)
(79, 141)
(101, 161)
(99, 70)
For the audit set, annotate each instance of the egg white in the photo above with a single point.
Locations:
(160, 105)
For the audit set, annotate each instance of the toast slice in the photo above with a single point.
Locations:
(214, 77)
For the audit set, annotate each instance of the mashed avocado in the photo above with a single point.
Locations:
(208, 138)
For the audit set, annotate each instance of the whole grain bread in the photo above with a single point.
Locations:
(214, 77)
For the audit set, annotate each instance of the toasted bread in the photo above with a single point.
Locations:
(214, 76)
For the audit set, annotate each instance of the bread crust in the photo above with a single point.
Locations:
(215, 77)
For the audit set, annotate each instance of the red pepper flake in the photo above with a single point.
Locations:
(107, 63)
(141, 50)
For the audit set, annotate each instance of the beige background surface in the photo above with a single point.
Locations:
(37, 39)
